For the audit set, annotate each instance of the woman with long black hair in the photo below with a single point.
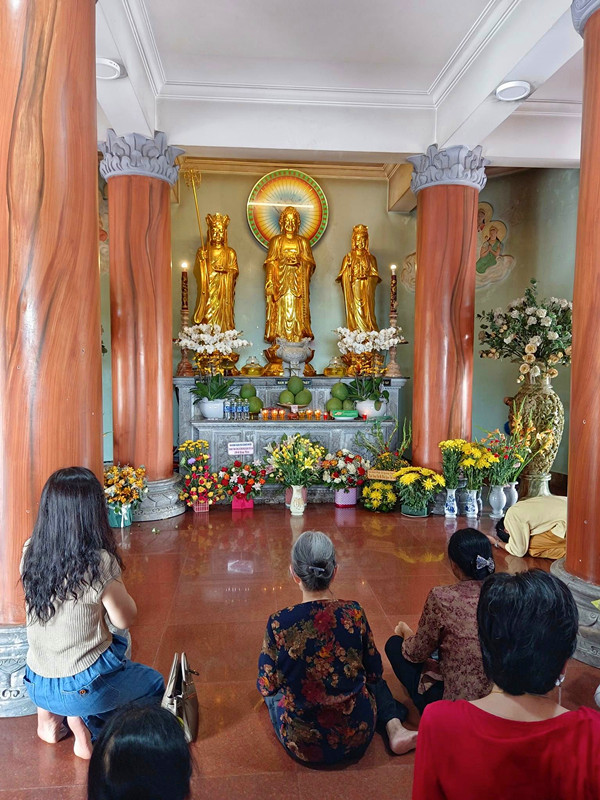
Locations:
(71, 574)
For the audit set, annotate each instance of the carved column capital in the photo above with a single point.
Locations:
(456, 165)
(136, 154)
(581, 11)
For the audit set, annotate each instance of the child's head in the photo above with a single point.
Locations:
(70, 531)
(471, 552)
(141, 754)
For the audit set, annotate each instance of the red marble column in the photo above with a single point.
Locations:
(447, 183)
(50, 351)
(583, 524)
(139, 172)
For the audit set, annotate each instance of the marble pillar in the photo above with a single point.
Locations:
(447, 184)
(581, 569)
(50, 346)
(139, 172)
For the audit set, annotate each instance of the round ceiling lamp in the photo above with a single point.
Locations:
(510, 91)
(109, 70)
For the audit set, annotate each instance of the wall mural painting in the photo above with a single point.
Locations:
(493, 264)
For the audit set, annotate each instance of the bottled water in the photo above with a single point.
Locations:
(227, 409)
(239, 411)
(246, 409)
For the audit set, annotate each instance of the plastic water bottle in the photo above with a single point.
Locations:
(227, 409)
(240, 409)
(246, 409)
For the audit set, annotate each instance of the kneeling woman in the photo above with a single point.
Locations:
(319, 670)
(71, 575)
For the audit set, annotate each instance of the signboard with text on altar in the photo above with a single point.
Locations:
(240, 448)
(381, 475)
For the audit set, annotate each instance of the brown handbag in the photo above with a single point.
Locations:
(180, 696)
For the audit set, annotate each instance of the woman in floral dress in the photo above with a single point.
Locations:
(320, 672)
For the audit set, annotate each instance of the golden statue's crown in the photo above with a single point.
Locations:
(222, 218)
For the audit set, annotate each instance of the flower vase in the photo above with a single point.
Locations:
(450, 507)
(538, 400)
(288, 495)
(479, 502)
(298, 503)
(497, 501)
(410, 511)
(367, 409)
(511, 495)
(120, 517)
(471, 507)
(345, 499)
(201, 506)
(239, 503)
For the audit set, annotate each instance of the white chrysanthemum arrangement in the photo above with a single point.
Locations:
(358, 342)
(534, 333)
(208, 339)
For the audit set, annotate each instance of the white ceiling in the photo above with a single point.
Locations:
(337, 80)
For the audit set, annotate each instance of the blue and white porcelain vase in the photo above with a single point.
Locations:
(471, 507)
(497, 501)
(450, 506)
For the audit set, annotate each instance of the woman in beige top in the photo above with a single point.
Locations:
(71, 574)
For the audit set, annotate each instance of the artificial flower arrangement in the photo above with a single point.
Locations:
(379, 496)
(344, 470)
(476, 461)
(452, 455)
(417, 486)
(534, 333)
(244, 481)
(124, 486)
(295, 460)
(199, 484)
(358, 342)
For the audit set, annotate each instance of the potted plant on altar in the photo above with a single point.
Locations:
(452, 454)
(475, 464)
(242, 483)
(344, 472)
(200, 488)
(124, 488)
(296, 462)
(417, 486)
(536, 334)
(369, 397)
(379, 496)
(210, 393)
(365, 351)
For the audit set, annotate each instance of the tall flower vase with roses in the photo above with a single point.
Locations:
(296, 462)
(344, 472)
(536, 334)
(241, 483)
(200, 487)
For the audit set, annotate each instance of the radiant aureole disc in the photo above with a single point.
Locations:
(287, 187)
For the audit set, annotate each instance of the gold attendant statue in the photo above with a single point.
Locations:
(288, 270)
(359, 278)
(216, 271)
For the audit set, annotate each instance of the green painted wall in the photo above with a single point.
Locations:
(538, 206)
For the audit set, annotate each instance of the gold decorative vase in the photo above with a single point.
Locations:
(537, 398)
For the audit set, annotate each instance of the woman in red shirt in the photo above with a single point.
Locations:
(517, 742)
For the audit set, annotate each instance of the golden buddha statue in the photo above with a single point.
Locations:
(216, 271)
(288, 269)
(359, 278)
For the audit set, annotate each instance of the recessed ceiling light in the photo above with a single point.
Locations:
(109, 70)
(513, 90)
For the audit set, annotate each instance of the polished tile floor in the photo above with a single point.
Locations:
(206, 583)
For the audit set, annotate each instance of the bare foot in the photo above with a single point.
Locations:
(50, 728)
(83, 740)
(401, 740)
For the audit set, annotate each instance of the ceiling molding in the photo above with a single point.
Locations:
(137, 14)
(314, 169)
(550, 108)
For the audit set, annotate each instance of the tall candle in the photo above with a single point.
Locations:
(184, 286)
(393, 291)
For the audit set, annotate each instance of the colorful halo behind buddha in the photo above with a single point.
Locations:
(287, 187)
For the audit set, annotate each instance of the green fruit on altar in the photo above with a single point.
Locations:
(339, 390)
(286, 397)
(303, 398)
(348, 405)
(295, 384)
(334, 404)
(255, 404)
(247, 391)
